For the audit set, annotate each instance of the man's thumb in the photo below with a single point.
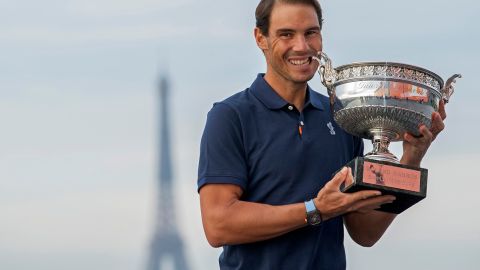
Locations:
(340, 177)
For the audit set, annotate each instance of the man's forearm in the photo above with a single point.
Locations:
(246, 222)
(367, 228)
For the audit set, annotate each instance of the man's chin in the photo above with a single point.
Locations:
(303, 78)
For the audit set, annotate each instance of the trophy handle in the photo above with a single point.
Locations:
(448, 89)
(327, 75)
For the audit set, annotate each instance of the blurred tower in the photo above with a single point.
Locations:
(166, 243)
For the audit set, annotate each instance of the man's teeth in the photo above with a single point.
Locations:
(300, 62)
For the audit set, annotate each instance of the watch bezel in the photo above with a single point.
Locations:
(314, 216)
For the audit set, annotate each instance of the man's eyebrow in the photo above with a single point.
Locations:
(284, 30)
(289, 30)
(316, 28)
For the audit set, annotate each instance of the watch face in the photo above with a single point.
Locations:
(314, 218)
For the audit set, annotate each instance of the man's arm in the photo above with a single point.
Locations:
(366, 226)
(227, 220)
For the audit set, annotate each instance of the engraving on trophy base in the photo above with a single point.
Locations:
(408, 184)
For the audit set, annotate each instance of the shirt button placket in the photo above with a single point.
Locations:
(301, 126)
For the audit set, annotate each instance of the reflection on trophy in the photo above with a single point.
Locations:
(381, 101)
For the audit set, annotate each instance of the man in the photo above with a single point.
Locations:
(268, 155)
(378, 174)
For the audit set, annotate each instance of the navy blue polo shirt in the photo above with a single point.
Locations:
(252, 139)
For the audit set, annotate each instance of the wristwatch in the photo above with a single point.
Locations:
(314, 217)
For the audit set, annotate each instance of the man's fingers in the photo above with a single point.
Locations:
(372, 203)
(363, 195)
(437, 120)
(425, 138)
(441, 110)
(426, 134)
(437, 124)
(349, 178)
(339, 178)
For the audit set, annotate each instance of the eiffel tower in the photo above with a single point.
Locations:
(166, 245)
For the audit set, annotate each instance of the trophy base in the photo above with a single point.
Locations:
(408, 184)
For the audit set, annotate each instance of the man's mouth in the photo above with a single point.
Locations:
(299, 62)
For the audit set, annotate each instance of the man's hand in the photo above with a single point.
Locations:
(331, 202)
(415, 148)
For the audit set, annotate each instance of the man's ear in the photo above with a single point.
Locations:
(260, 39)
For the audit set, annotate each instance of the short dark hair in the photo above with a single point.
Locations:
(265, 7)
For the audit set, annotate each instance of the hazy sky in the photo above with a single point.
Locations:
(78, 119)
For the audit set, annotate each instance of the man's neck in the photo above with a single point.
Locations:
(293, 93)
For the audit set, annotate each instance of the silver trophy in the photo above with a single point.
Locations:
(381, 101)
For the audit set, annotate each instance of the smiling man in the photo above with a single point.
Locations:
(268, 154)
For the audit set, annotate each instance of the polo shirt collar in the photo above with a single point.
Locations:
(265, 93)
(315, 99)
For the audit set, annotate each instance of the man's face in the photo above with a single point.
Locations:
(294, 37)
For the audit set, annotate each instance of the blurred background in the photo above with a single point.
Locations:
(79, 113)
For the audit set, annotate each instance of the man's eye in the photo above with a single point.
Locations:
(311, 33)
(286, 35)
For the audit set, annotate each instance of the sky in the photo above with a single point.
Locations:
(79, 113)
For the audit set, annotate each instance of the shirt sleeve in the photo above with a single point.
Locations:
(222, 152)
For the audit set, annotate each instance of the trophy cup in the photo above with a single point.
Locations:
(381, 101)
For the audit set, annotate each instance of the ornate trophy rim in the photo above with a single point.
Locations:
(416, 74)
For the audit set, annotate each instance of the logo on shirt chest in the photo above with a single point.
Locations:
(330, 127)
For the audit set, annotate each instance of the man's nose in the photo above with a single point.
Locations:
(300, 44)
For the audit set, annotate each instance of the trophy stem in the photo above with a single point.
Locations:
(381, 141)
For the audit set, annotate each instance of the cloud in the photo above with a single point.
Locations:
(154, 32)
(121, 8)
(108, 21)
